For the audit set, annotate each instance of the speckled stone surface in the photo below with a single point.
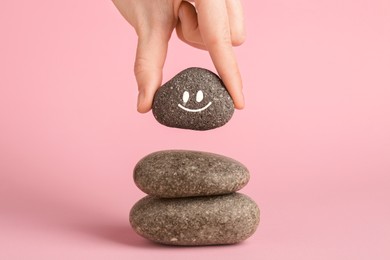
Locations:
(194, 99)
(183, 173)
(212, 220)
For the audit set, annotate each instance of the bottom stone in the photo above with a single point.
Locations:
(211, 220)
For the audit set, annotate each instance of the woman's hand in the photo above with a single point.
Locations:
(212, 25)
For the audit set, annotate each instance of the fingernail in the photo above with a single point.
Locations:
(140, 99)
(243, 100)
(241, 103)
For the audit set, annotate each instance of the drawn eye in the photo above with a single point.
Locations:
(199, 96)
(186, 96)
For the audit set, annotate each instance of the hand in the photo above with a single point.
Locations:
(212, 25)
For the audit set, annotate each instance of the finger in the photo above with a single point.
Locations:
(236, 21)
(151, 54)
(189, 28)
(214, 27)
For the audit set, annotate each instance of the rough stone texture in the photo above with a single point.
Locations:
(170, 104)
(212, 220)
(181, 173)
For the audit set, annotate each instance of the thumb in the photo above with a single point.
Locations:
(148, 66)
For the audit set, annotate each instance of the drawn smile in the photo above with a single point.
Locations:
(194, 110)
(199, 98)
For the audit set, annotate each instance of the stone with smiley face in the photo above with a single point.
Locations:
(194, 99)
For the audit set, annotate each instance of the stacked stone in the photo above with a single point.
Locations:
(192, 199)
(192, 195)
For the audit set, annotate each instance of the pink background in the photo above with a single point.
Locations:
(315, 132)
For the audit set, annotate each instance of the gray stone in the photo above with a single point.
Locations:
(212, 220)
(194, 99)
(182, 173)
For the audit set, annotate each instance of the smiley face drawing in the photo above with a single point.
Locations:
(199, 98)
(194, 99)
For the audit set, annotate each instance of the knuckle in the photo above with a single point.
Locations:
(139, 66)
(238, 38)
